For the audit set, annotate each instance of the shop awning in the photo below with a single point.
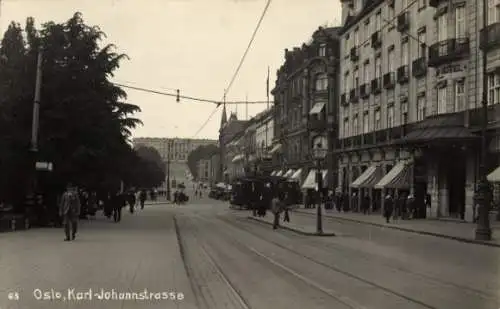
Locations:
(297, 174)
(274, 173)
(238, 158)
(317, 108)
(397, 178)
(280, 173)
(310, 182)
(370, 177)
(289, 173)
(275, 148)
(494, 176)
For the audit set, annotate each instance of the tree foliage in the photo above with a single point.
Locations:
(85, 123)
(151, 170)
(200, 153)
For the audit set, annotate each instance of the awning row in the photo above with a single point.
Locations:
(292, 174)
(399, 177)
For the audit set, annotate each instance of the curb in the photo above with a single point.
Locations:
(456, 238)
(294, 229)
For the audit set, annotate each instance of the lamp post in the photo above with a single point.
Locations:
(482, 196)
(168, 170)
(319, 153)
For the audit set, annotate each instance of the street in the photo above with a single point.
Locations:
(205, 255)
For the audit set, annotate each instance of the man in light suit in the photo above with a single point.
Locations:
(69, 210)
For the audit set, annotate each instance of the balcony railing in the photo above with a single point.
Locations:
(343, 99)
(389, 80)
(317, 125)
(419, 67)
(403, 23)
(364, 91)
(376, 40)
(375, 138)
(489, 37)
(403, 74)
(354, 54)
(376, 85)
(354, 95)
(448, 51)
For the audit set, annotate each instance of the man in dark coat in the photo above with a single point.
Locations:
(69, 210)
(117, 202)
(388, 207)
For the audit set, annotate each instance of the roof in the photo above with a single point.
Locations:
(368, 6)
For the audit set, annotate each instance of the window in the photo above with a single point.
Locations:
(459, 96)
(404, 112)
(378, 21)
(390, 116)
(421, 42)
(442, 27)
(346, 127)
(355, 125)
(322, 50)
(356, 38)
(493, 11)
(421, 108)
(355, 79)
(390, 16)
(321, 82)
(347, 84)
(422, 4)
(441, 100)
(347, 45)
(366, 72)
(376, 117)
(366, 123)
(493, 89)
(367, 30)
(390, 64)
(404, 53)
(378, 67)
(460, 22)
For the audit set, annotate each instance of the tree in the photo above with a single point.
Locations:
(200, 153)
(152, 155)
(85, 123)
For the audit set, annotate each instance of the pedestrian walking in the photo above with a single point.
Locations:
(276, 207)
(388, 207)
(69, 210)
(366, 203)
(117, 202)
(131, 201)
(142, 198)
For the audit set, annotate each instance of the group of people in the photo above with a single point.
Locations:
(70, 206)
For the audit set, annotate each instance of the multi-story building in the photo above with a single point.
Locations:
(204, 170)
(229, 128)
(175, 149)
(411, 89)
(264, 133)
(305, 106)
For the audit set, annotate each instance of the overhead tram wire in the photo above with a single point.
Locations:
(238, 69)
(184, 96)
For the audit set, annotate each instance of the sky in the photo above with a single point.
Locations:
(191, 45)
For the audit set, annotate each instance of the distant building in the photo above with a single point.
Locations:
(228, 130)
(204, 170)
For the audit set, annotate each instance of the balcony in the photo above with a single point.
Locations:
(376, 85)
(317, 125)
(364, 91)
(343, 100)
(419, 67)
(354, 54)
(403, 23)
(489, 37)
(403, 74)
(376, 40)
(448, 51)
(389, 80)
(354, 95)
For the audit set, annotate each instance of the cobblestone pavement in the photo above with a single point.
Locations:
(218, 258)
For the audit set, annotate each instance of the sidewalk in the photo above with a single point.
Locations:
(298, 224)
(459, 231)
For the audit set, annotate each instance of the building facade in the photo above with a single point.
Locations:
(229, 130)
(411, 89)
(204, 171)
(305, 106)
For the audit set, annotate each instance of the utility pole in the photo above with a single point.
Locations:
(36, 103)
(267, 94)
(482, 197)
(168, 170)
(221, 144)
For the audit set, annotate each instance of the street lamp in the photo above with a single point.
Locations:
(319, 153)
(168, 169)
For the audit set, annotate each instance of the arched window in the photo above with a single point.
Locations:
(321, 82)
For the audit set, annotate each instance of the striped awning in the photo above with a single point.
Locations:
(289, 173)
(280, 173)
(274, 173)
(238, 158)
(310, 182)
(494, 176)
(397, 178)
(369, 178)
(275, 149)
(297, 174)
